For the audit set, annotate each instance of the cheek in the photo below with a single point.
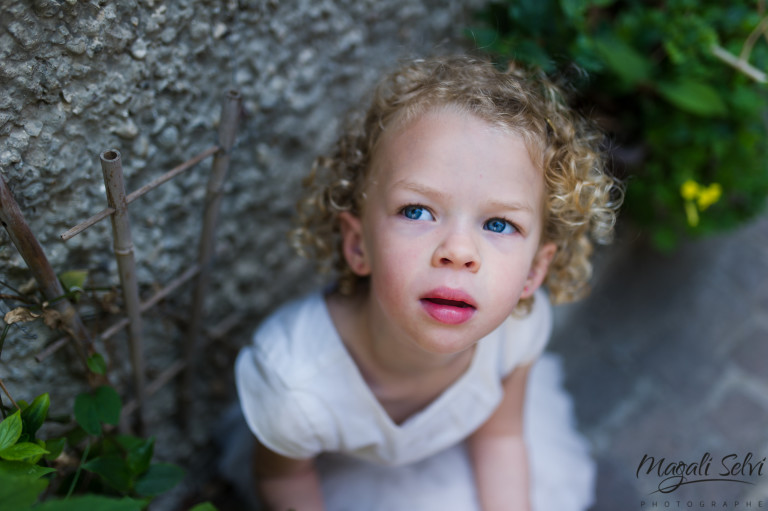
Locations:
(395, 262)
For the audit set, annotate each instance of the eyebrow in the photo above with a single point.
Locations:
(434, 193)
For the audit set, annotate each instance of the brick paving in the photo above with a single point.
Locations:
(669, 357)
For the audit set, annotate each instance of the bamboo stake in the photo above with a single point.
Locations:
(115, 186)
(145, 306)
(230, 117)
(101, 215)
(42, 271)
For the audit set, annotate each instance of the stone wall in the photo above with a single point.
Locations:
(147, 78)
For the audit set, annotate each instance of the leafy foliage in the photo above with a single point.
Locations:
(122, 475)
(655, 79)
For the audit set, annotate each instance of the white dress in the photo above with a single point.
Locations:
(302, 395)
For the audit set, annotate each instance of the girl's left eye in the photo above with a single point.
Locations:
(499, 226)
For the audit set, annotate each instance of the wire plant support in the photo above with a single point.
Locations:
(118, 202)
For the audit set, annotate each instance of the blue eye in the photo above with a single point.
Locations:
(416, 213)
(499, 226)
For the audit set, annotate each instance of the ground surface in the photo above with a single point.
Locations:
(669, 358)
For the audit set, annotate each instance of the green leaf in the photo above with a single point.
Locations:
(160, 478)
(10, 430)
(54, 447)
(33, 416)
(624, 60)
(22, 451)
(693, 97)
(97, 364)
(205, 506)
(19, 493)
(108, 404)
(139, 452)
(113, 470)
(19, 468)
(94, 502)
(73, 279)
(87, 414)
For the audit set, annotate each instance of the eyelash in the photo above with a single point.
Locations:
(405, 209)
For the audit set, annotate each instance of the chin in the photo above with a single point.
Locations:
(447, 343)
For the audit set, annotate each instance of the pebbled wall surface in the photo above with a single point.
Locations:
(147, 78)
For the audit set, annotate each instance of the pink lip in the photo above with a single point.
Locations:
(449, 306)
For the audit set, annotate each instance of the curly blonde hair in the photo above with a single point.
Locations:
(582, 199)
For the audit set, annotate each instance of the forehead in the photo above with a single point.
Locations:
(448, 147)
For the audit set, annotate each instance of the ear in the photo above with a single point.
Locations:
(539, 268)
(352, 244)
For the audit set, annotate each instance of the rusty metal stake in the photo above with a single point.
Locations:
(112, 169)
(230, 118)
(32, 253)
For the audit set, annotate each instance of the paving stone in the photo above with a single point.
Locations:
(751, 353)
(740, 420)
(615, 490)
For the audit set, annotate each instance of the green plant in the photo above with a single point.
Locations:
(678, 86)
(90, 459)
(91, 466)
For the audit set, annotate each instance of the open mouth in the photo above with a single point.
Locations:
(450, 303)
(449, 306)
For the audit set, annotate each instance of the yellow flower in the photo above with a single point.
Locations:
(690, 190)
(691, 214)
(696, 195)
(709, 195)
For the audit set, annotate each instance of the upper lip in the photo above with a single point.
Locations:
(448, 295)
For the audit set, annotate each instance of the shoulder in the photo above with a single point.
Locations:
(297, 340)
(276, 377)
(523, 338)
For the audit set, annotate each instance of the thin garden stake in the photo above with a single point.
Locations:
(113, 180)
(230, 118)
(41, 269)
(101, 215)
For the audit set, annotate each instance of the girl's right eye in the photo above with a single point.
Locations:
(416, 213)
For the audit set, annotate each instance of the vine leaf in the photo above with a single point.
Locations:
(113, 470)
(97, 364)
(104, 405)
(87, 414)
(160, 478)
(693, 97)
(10, 430)
(20, 492)
(33, 416)
(22, 451)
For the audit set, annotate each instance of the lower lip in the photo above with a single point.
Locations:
(448, 314)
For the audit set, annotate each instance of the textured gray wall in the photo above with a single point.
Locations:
(147, 78)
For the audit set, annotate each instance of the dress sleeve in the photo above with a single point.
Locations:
(279, 416)
(524, 339)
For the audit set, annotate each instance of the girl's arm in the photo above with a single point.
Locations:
(498, 452)
(286, 483)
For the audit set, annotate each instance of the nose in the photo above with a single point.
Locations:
(457, 250)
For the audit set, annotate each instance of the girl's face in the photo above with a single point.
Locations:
(450, 231)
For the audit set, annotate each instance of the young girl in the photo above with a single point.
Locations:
(462, 191)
